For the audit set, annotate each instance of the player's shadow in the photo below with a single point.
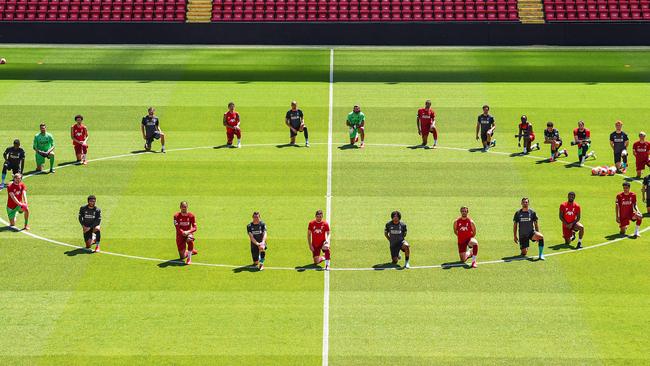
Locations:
(77, 251)
(517, 154)
(562, 246)
(631, 179)
(456, 264)
(575, 164)
(224, 146)
(543, 161)
(348, 147)
(415, 147)
(172, 263)
(309, 267)
(142, 151)
(73, 162)
(518, 257)
(282, 146)
(9, 228)
(246, 268)
(476, 149)
(387, 265)
(615, 236)
(33, 172)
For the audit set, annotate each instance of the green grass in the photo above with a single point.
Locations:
(60, 306)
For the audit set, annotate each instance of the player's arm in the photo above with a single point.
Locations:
(520, 134)
(386, 233)
(72, 134)
(252, 238)
(53, 146)
(493, 127)
(311, 247)
(455, 229)
(536, 224)
(264, 236)
(287, 121)
(5, 155)
(22, 164)
(87, 135)
(418, 124)
(611, 142)
(237, 119)
(627, 141)
(35, 147)
(478, 127)
(575, 137)
(193, 227)
(514, 231)
(224, 120)
(618, 218)
(643, 197)
(562, 217)
(473, 228)
(98, 218)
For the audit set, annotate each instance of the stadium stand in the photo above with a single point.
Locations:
(93, 10)
(596, 10)
(364, 10)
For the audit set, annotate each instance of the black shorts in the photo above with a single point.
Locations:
(294, 134)
(559, 144)
(395, 248)
(524, 241)
(255, 251)
(484, 136)
(618, 156)
(15, 169)
(89, 234)
(154, 136)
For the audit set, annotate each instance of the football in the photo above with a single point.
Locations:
(595, 171)
(604, 171)
(3, 61)
(612, 170)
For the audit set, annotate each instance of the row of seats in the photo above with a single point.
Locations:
(344, 16)
(93, 10)
(597, 10)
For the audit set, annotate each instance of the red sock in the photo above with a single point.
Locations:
(475, 250)
(327, 254)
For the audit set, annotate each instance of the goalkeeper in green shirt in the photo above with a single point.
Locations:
(356, 121)
(44, 148)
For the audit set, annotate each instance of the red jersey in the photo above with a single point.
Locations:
(318, 230)
(184, 222)
(464, 229)
(641, 150)
(570, 211)
(426, 116)
(79, 132)
(18, 190)
(626, 204)
(232, 118)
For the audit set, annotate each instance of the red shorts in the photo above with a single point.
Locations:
(182, 244)
(625, 220)
(317, 249)
(640, 164)
(80, 149)
(462, 245)
(426, 128)
(567, 233)
(231, 132)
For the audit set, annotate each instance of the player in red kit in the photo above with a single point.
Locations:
(79, 135)
(231, 121)
(627, 211)
(570, 217)
(526, 132)
(641, 149)
(318, 235)
(465, 230)
(17, 200)
(426, 122)
(185, 224)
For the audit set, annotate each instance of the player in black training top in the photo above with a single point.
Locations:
(295, 120)
(14, 157)
(552, 137)
(526, 228)
(257, 234)
(618, 140)
(395, 232)
(90, 216)
(151, 130)
(485, 125)
(645, 192)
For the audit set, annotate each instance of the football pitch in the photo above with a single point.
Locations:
(135, 304)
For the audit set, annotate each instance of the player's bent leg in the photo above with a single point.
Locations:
(406, 248)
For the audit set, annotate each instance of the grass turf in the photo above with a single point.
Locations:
(62, 306)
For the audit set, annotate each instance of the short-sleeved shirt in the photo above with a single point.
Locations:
(18, 190)
(79, 132)
(294, 117)
(641, 150)
(318, 230)
(14, 155)
(581, 135)
(646, 184)
(526, 220)
(356, 119)
(626, 204)
(486, 122)
(43, 142)
(426, 116)
(464, 229)
(619, 140)
(570, 211)
(150, 124)
(552, 135)
(257, 230)
(90, 217)
(396, 232)
(525, 129)
(232, 118)
(184, 222)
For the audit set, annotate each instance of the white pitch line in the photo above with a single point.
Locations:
(328, 199)
(329, 143)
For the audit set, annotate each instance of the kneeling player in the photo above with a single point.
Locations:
(318, 235)
(426, 122)
(79, 135)
(185, 224)
(552, 137)
(14, 160)
(645, 191)
(90, 217)
(582, 138)
(257, 234)
(356, 122)
(526, 228)
(150, 128)
(295, 120)
(395, 233)
(17, 201)
(526, 132)
(641, 150)
(44, 148)
(485, 125)
(231, 122)
(570, 217)
(465, 230)
(627, 211)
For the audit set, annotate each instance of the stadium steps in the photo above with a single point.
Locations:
(199, 11)
(530, 11)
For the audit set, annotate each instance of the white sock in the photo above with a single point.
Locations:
(636, 230)
(327, 262)
(435, 142)
(473, 258)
